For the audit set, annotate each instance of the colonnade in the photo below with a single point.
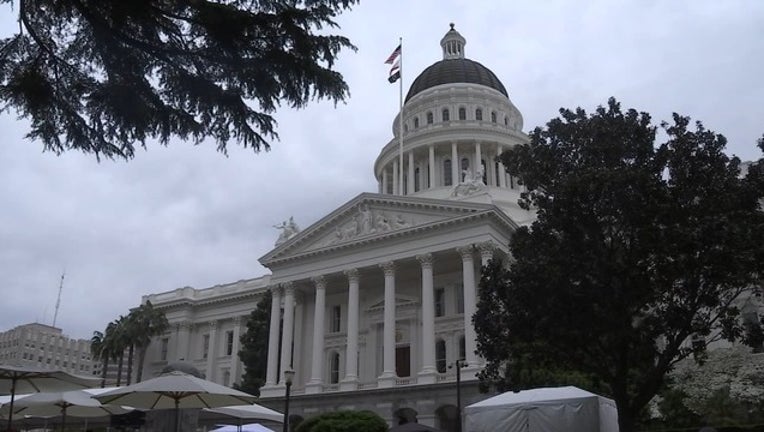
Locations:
(284, 294)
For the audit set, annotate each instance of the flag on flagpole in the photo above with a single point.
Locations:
(395, 72)
(391, 59)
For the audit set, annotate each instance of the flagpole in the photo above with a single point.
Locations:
(400, 119)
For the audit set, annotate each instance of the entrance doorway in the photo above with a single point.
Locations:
(403, 361)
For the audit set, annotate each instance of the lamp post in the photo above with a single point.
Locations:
(459, 365)
(288, 377)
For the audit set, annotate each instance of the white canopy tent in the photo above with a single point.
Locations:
(548, 409)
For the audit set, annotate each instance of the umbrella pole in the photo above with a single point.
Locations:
(177, 415)
(63, 419)
(13, 395)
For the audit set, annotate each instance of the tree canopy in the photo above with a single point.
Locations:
(637, 247)
(102, 76)
(254, 347)
(344, 421)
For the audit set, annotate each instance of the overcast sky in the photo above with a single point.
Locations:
(186, 215)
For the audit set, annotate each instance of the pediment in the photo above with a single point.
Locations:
(368, 218)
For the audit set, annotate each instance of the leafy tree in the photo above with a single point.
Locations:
(344, 421)
(637, 246)
(100, 76)
(254, 347)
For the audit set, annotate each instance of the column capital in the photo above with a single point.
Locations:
(185, 325)
(486, 248)
(425, 259)
(287, 287)
(237, 320)
(465, 252)
(352, 274)
(388, 267)
(213, 324)
(319, 281)
(276, 290)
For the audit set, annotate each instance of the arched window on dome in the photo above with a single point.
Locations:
(416, 122)
(462, 113)
(493, 116)
(446, 115)
(465, 166)
(506, 120)
(447, 177)
(440, 355)
(479, 114)
(429, 117)
(334, 367)
(417, 183)
(405, 127)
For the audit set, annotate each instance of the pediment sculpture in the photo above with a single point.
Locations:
(369, 221)
(471, 184)
(288, 229)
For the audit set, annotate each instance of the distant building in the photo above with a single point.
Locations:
(44, 346)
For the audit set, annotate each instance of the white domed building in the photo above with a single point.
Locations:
(376, 298)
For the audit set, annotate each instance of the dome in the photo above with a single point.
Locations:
(458, 70)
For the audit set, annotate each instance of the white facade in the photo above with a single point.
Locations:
(44, 346)
(372, 304)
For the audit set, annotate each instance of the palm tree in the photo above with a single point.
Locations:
(115, 342)
(99, 351)
(149, 322)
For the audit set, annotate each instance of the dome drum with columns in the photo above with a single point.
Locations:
(374, 301)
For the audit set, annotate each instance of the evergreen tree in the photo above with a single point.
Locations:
(100, 76)
(254, 347)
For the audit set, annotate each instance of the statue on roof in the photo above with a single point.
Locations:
(288, 230)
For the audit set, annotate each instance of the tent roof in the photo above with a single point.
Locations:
(544, 394)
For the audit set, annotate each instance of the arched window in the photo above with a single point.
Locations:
(405, 127)
(429, 117)
(416, 180)
(447, 178)
(462, 113)
(506, 121)
(446, 115)
(485, 173)
(334, 368)
(462, 349)
(440, 355)
(465, 166)
(498, 173)
(493, 116)
(416, 122)
(478, 114)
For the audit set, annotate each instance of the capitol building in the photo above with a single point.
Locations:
(372, 304)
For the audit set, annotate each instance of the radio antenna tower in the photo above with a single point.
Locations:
(58, 301)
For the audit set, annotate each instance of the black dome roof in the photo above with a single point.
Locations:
(459, 70)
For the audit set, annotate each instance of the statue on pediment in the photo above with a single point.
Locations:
(471, 183)
(288, 229)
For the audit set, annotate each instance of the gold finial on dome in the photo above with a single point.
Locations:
(453, 44)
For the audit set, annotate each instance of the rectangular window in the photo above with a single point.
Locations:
(336, 318)
(226, 377)
(440, 355)
(228, 343)
(165, 342)
(440, 302)
(205, 345)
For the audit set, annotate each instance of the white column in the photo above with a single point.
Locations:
(384, 181)
(396, 177)
(428, 373)
(410, 183)
(235, 362)
(478, 158)
(315, 385)
(184, 338)
(468, 280)
(502, 170)
(286, 336)
(387, 379)
(272, 372)
(212, 352)
(431, 170)
(350, 382)
(455, 164)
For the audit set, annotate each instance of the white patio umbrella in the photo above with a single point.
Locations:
(175, 390)
(74, 403)
(19, 379)
(252, 427)
(249, 412)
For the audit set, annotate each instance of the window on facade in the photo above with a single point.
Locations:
(229, 342)
(205, 345)
(462, 113)
(462, 349)
(440, 355)
(428, 176)
(440, 302)
(429, 117)
(405, 127)
(459, 299)
(479, 114)
(465, 166)
(164, 343)
(498, 173)
(336, 318)
(226, 377)
(506, 121)
(416, 122)
(493, 116)
(485, 172)
(416, 180)
(334, 368)
(446, 115)
(447, 178)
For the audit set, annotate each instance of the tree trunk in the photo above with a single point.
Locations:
(119, 368)
(103, 372)
(130, 364)
(625, 419)
(141, 360)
